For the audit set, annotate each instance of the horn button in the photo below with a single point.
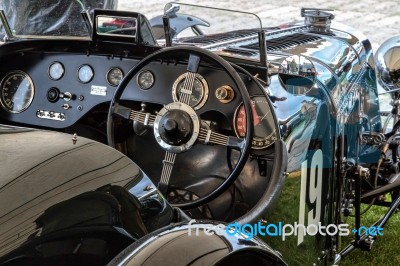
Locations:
(176, 127)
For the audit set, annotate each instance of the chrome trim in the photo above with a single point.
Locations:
(196, 127)
(387, 63)
(50, 115)
(6, 26)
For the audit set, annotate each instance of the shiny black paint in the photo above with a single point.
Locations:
(211, 249)
(43, 171)
(51, 191)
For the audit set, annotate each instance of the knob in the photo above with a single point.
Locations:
(171, 126)
(225, 94)
(53, 94)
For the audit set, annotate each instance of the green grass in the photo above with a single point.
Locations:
(385, 250)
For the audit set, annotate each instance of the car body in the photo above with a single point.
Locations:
(63, 197)
(182, 114)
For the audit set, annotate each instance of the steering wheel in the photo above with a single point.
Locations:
(177, 126)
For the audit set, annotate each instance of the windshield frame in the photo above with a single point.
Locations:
(258, 29)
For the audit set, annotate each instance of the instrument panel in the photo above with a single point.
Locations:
(55, 90)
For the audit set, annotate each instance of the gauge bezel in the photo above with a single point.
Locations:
(255, 138)
(48, 71)
(79, 69)
(3, 105)
(108, 72)
(205, 89)
(142, 72)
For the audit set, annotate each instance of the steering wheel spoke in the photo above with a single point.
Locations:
(146, 119)
(168, 165)
(208, 136)
(187, 89)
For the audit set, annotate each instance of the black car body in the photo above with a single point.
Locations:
(62, 205)
(183, 112)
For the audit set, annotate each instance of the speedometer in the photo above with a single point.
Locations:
(16, 92)
(264, 128)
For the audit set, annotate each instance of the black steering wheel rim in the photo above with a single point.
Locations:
(219, 61)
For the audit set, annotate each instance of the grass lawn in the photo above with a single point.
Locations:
(385, 250)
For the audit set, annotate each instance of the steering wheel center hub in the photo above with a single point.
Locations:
(176, 127)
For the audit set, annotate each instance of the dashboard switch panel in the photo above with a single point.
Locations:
(50, 115)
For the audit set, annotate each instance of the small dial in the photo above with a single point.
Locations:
(264, 129)
(85, 73)
(16, 92)
(115, 76)
(199, 92)
(145, 80)
(56, 71)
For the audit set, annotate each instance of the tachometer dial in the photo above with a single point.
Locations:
(56, 71)
(114, 76)
(199, 94)
(16, 93)
(264, 129)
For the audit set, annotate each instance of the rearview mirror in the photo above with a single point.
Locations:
(122, 26)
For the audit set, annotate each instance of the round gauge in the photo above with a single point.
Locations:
(56, 71)
(16, 92)
(115, 76)
(85, 73)
(264, 128)
(145, 80)
(199, 94)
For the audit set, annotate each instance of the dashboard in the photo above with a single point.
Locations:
(56, 89)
